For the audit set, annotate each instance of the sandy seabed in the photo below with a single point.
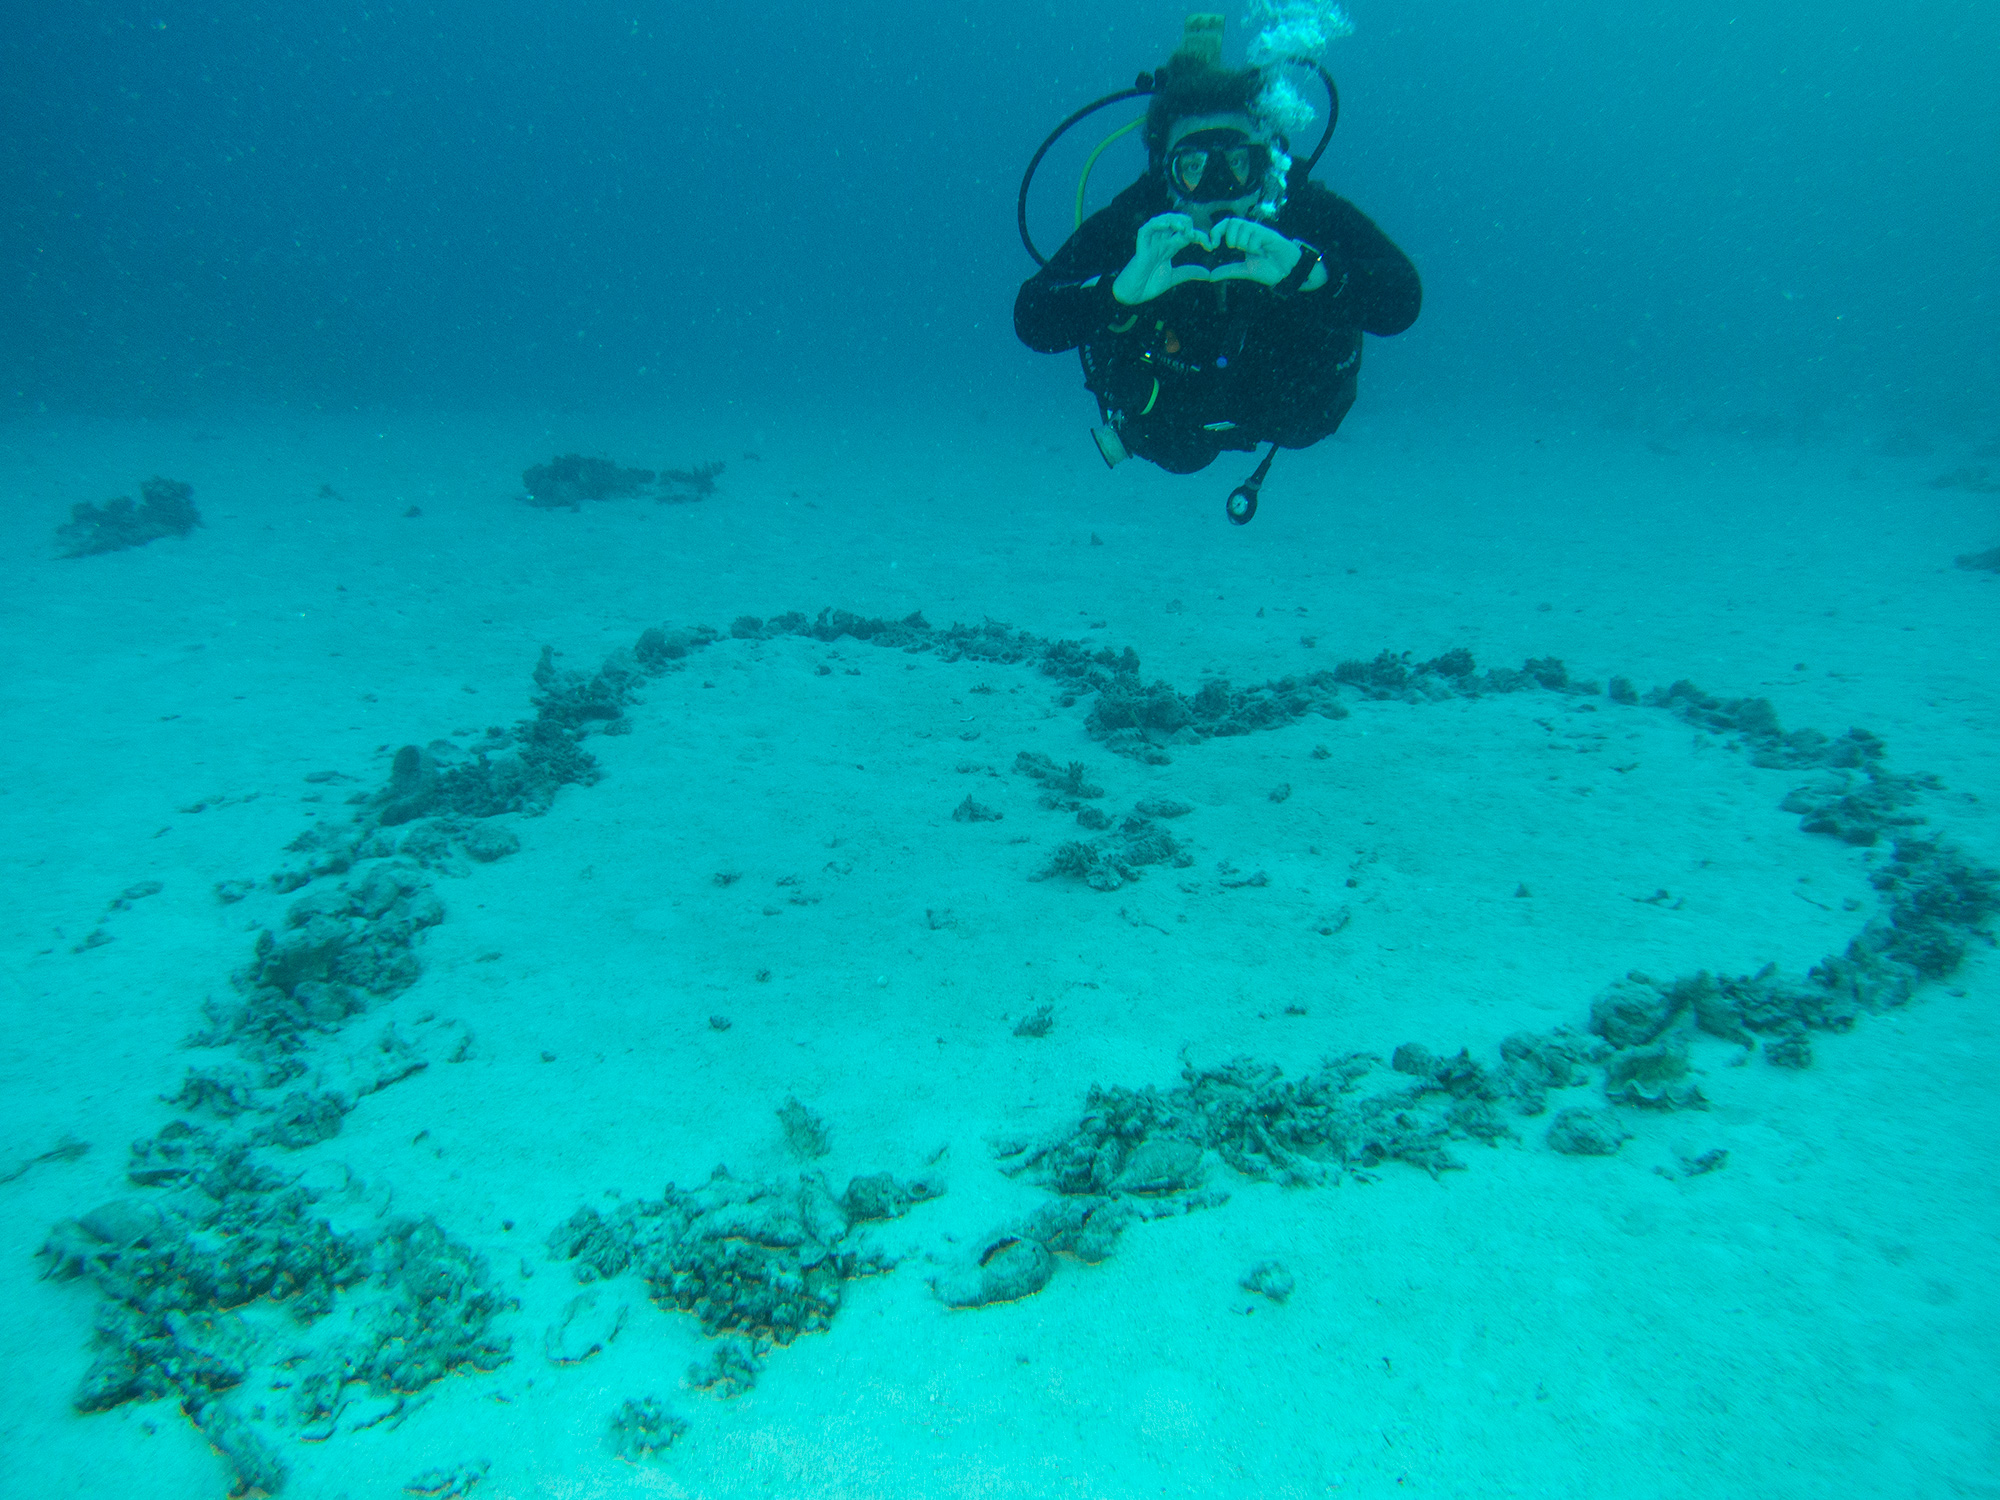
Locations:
(1816, 1317)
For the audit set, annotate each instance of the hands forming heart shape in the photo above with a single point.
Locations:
(1268, 256)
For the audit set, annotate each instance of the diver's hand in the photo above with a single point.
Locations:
(1152, 271)
(1268, 256)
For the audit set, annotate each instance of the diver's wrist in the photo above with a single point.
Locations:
(1299, 278)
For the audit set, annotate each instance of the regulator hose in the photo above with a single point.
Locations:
(1142, 87)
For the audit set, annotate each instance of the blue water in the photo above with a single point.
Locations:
(1705, 389)
(1782, 212)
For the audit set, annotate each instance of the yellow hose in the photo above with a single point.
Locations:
(1084, 181)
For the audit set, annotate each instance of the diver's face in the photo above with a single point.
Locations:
(1208, 152)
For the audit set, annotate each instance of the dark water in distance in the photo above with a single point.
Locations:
(1781, 216)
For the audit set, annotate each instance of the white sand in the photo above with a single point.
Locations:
(1816, 1318)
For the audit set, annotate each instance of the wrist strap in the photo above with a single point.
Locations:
(1296, 277)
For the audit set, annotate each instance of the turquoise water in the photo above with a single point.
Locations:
(907, 964)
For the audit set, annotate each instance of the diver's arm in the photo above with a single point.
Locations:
(1069, 299)
(1370, 283)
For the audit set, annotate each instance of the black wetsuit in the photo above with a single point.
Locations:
(1220, 365)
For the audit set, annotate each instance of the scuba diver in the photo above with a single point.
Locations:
(1218, 302)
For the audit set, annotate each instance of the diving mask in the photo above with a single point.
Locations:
(1217, 166)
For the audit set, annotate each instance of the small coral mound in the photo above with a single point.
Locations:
(641, 1429)
(568, 479)
(167, 510)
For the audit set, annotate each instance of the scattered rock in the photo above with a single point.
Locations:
(731, 1369)
(1532, 1064)
(1037, 1023)
(412, 788)
(1652, 1077)
(1756, 722)
(343, 945)
(1632, 1011)
(487, 842)
(214, 1228)
(697, 483)
(589, 1322)
(1413, 1058)
(137, 892)
(67, 1149)
(1587, 1132)
(1793, 1051)
(1162, 1166)
(1859, 809)
(1062, 786)
(449, 1484)
(643, 1429)
(805, 1132)
(657, 649)
(1008, 1269)
(1111, 861)
(1304, 1131)
(167, 510)
(567, 480)
(171, 1266)
(764, 1259)
(882, 1197)
(1269, 1278)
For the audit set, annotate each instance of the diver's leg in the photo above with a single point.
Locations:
(1178, 447)
(1306, 399)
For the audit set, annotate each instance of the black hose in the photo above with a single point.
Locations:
(1144, 88)
(1332, 112)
